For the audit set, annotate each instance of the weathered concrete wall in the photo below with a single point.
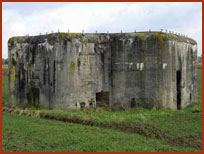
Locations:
(144, 66)
(67, 70)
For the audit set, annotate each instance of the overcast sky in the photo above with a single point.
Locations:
(33, 18)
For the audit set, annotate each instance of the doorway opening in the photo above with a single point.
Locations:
(102, 99)
(178, 87)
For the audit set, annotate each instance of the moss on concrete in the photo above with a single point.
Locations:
(84, 40)
(157, 34)
(94, 37)
(160, 38)
(16, 38)
(13, 73)
(68, 35)
(72, 66)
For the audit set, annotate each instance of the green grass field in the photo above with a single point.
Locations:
(21, 133)
(131, 130)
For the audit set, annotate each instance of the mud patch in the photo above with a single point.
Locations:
(187, 141)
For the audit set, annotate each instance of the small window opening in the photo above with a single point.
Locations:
(132, 103)
(82, 105)
(91, 105)
(102, 99)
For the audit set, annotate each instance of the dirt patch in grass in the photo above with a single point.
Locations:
(145, 130)
(10, 136)
(148, 131)
(15, 148)
(188, 141)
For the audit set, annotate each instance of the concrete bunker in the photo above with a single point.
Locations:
(119, 70)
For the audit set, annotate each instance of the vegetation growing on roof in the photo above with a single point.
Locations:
(93, 37)
(16, 38)
(68, 35)
(169, 36)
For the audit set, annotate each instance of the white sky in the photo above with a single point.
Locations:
(33, 18)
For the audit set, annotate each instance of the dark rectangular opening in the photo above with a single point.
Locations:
(178, 87)
(102, 99)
